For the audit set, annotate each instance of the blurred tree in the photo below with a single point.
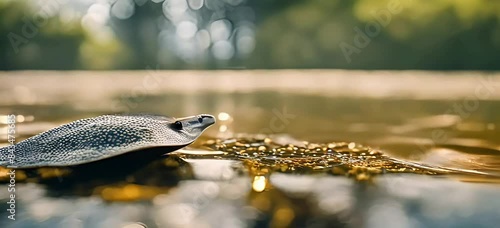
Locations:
(445, 35)
(360, 34)
(33, 40)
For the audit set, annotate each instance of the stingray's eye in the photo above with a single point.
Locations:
(177, 125)
(200, 119)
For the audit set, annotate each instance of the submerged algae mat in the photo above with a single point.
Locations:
(259, 156)
(340, 158)
(337, 158)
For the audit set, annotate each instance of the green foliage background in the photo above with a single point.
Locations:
(439, 34)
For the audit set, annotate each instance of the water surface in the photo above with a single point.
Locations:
(433, 118)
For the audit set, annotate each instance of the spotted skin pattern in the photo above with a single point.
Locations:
(101, 137)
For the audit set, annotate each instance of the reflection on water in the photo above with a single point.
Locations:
(279, 181)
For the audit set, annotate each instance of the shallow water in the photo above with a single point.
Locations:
(445, 120)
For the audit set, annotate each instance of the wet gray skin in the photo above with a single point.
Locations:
(102, 137)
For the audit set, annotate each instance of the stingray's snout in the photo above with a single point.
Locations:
(206, 119)
(199, 122)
